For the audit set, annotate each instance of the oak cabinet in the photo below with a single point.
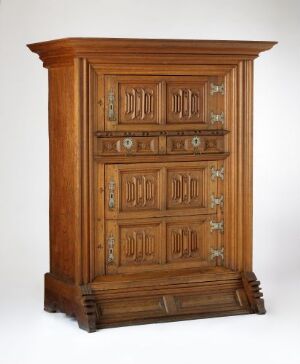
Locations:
(150, 179)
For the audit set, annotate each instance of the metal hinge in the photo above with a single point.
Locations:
(111, 106)
(217, 118)
(215, 253)
(216, 201)
(215, 225)
(217, 88)
(111, 191)
(110, 244)
(217, 173)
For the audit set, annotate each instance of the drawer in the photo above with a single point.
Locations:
(141, 102)
(141, 245)
(200, 300)
(127, 145)
(159, 189)
(195, 144)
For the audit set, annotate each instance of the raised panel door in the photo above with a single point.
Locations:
(141, 245)
(143, 103)
(159, 189)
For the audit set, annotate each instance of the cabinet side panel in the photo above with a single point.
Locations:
(64, 173)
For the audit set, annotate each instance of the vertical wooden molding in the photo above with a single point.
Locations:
(231, 170)
(244, 166)
(248, 171)
(81, 105)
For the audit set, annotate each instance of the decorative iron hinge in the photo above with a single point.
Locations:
(110, 244)
(217, 173)
(217, 88)
(217, 118)
(215, 253)
(111, 106)
(111, 189)
(216, 201)
(214, 225)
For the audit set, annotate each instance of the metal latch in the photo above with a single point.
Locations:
(214, 225)
(111, 191)
(217, 173)
(111, 106)
(110, 244)
(216, 200)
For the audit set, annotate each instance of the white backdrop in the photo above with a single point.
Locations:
(29, 335)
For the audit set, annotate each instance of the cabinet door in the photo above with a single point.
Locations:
(155, 244)
(159, 189)
(141, 102)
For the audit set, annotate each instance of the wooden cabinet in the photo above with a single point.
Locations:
(150, 179)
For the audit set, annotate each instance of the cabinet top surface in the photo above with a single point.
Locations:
(85, 46)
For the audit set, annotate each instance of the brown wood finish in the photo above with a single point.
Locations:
(150, 179)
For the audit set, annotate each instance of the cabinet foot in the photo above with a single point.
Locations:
(252, 289)
(75, 301)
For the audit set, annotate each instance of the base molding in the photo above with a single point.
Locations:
(96, 306)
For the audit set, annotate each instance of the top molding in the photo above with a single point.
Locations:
(69, 48)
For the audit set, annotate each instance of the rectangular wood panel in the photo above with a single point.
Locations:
(132, 100)
(187, 101)
(133, 246)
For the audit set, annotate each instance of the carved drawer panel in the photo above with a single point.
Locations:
(127, 146)
(156, 244)
(159, 189)
(142, 102)
(195, 144)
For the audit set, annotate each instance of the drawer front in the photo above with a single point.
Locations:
(154, 244)
(159, 189)
(127, 145)
(195, 144)
(163, 102)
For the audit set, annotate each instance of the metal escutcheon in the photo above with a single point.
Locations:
(128, 143)
(196, 141)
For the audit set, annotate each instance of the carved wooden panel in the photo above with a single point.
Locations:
(187, 187)
(189, 239)
(187, 102)
(127, 146)
(132, 101)
(139, 190)
(137, 245)
(136, 190)
(186, 145)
